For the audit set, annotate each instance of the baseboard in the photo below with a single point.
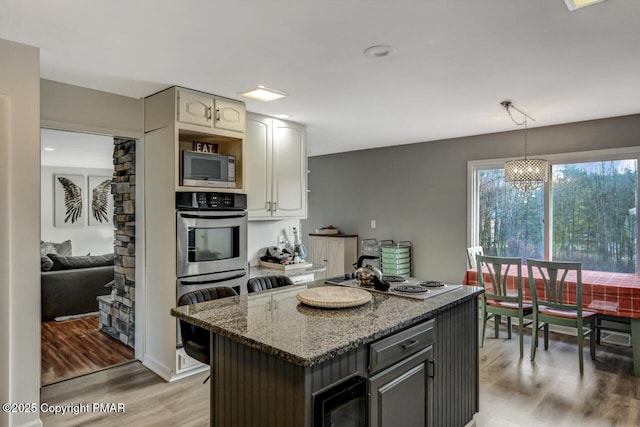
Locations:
(166, 373)
(157, 368)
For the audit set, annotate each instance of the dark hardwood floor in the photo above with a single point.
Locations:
(514, 392)
(72, 348)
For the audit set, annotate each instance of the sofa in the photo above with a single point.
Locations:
(70, 284)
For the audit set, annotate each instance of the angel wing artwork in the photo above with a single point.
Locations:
(100, 201)
(72, 191)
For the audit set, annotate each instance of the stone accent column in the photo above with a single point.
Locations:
(123, 189)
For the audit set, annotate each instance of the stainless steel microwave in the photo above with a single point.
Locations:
(208, 170)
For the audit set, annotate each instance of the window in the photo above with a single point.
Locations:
(587, 212)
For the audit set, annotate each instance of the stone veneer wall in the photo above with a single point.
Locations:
(123, 188)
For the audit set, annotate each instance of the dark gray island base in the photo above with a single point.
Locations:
(271, 355)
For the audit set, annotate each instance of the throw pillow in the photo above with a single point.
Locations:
(63, 248)
(46, 263)
(73, 262)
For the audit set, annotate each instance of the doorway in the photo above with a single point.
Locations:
(82, 275)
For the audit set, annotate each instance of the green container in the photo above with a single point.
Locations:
(396, 265)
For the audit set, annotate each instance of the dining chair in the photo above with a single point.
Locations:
(471, 255)
(262, 283)
(498, 300)
(553, 306)
(196, 340)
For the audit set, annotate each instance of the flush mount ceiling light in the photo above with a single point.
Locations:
(379, 51)
(263, 93)
(577, 4)
(524, 174)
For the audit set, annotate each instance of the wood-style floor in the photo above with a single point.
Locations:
(514, 392)
(76, 347)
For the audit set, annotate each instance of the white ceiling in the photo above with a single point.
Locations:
(75, 149)
(456, 59)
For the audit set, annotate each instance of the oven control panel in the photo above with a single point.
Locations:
(186, 200)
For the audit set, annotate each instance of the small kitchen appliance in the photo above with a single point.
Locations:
(208, 170)
(409, 287)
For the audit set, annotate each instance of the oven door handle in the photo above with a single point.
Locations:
(192, 216)
(185, 282)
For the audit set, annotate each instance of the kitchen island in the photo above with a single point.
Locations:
(271, 354)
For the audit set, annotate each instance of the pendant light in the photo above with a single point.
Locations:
(524, 174)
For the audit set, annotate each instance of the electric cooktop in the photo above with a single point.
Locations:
(409, 287)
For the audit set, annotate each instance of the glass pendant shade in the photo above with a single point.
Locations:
(526, 174)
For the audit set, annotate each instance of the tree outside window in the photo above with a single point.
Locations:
(592, 215)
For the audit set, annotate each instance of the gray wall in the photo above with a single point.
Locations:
(418, 192)
(19, 230)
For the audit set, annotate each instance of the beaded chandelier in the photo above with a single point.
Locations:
(524, 174)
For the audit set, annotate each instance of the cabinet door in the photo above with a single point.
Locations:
(258, 166)
(229, 115)
(289, 170)
(398, 396)
(336, 256)
(195, 108)
(319, 254)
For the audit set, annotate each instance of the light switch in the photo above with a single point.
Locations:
(373, 223)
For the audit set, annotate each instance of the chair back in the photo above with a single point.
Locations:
(553, 275)
(471, 255)
(499, 269)
(262, 283)
(196, 340)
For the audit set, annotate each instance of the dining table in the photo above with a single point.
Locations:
(614, 296)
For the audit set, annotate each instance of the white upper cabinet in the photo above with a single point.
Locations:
(229, 115)
(276, 168)
(201, 109)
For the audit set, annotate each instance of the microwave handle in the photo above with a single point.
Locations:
(191, 216)
(185, 282)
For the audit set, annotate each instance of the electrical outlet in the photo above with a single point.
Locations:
(373, 223)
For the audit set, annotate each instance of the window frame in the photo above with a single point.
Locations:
(475, 166)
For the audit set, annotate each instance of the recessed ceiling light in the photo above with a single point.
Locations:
(49, 149)
(379, 51)
(577, 4)
(283, 116)
(263, 93)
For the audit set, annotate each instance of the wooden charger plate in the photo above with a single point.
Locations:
(333, 297)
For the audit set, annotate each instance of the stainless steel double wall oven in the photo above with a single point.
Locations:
(211, 241)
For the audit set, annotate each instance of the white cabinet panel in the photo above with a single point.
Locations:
(277, 168)
(338, 253)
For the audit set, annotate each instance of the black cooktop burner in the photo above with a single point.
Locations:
(431, 284)
(410, 289)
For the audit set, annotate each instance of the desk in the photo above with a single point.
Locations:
(611, 294)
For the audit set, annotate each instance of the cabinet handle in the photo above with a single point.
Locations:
(208, 113)
(411, 344)
(275, 206)
(432, 368)
(217, 114)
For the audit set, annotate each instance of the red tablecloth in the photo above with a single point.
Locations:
(614, 294)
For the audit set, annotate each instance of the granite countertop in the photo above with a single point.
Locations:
(277, 323)
(255, 271)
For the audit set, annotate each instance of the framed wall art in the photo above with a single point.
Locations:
(69, 200)
(100, 201)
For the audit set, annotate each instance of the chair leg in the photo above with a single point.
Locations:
(496, 320)
(534, 336)
(508, 327)
(592, 342)
(484, 326)
(581, 350)
(520, 332)
(546, 336)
